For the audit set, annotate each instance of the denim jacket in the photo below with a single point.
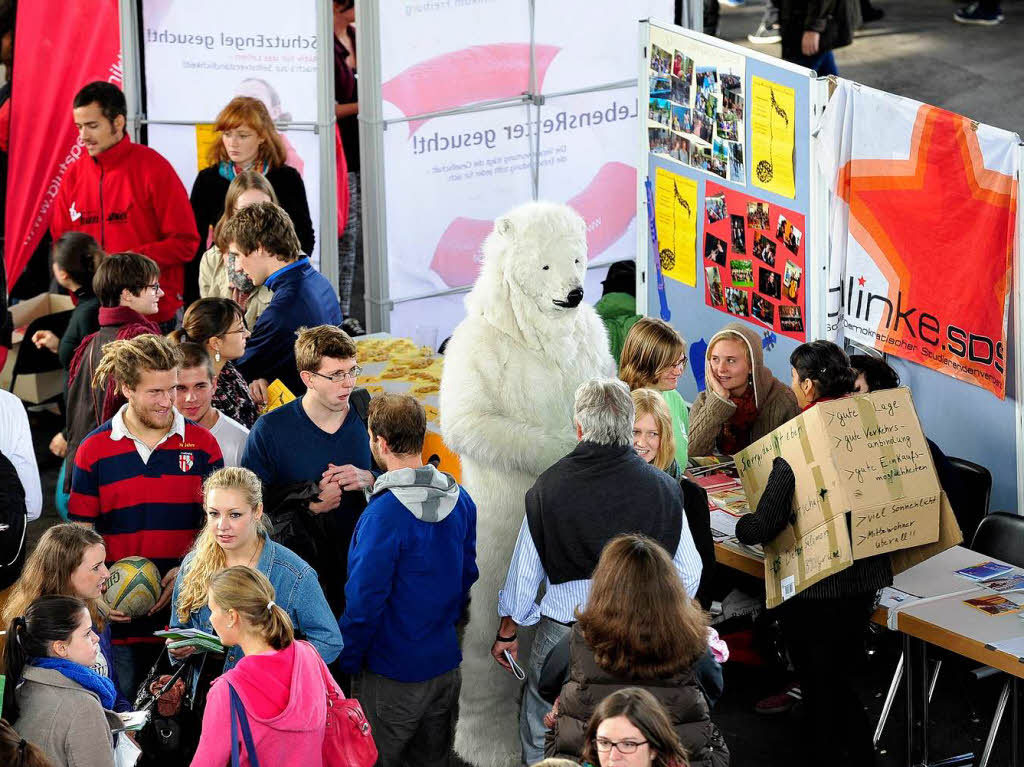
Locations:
(296, 590)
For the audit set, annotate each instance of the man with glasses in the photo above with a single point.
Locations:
(318, 445)
(127, 196)
(128, 288)
(264, 244)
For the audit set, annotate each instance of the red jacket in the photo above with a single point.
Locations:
(130, 198)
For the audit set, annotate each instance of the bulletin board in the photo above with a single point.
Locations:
(739, 214)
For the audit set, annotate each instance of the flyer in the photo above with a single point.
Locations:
(675, 210)
(754, 260)
(772, 136)
(697, 107)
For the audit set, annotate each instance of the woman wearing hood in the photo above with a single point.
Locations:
(743, 401)
(281, 682)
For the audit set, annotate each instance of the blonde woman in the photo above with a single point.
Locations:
(219, 275)
(653, 437)
(69, 561)
(654, 356)
(654, 441)
(281, 683)
(234, 534)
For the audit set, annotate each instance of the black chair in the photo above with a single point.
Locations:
(976, 484)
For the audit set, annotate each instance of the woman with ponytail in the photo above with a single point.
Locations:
(52, 696)
(282, 683)
(15, 751)
(235, 533)
(824, 625)
(218, 325)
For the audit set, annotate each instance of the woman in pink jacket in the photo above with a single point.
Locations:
(281, 681)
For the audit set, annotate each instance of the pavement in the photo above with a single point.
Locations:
(918, 51)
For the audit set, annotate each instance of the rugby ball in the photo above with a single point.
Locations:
(133, 586)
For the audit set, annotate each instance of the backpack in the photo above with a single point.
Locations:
(13, 523)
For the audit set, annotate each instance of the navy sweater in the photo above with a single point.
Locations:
(302, 298)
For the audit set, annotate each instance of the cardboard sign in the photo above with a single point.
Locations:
(865, 485)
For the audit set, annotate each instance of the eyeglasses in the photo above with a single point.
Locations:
(242, 329)
(155, 287)
(354, 373)
(625, 746)
(680, 363)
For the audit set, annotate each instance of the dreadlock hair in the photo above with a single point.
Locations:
(124, 361)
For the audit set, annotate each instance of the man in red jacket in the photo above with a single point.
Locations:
(126, 196)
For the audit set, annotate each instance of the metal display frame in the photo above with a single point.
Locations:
(372, 126)
(130, 14)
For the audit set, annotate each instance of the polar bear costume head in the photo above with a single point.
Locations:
(531, 282)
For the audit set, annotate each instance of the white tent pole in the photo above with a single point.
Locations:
(327, 237)
(131, 73)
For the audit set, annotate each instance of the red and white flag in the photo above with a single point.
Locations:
(923, 232)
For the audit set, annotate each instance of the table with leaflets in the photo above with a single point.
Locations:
(928, 604)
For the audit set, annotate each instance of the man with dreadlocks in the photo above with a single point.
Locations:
(137, 479)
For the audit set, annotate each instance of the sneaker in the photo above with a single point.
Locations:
(768, 31)
(974, 14)
(734, 3)
(782, 702)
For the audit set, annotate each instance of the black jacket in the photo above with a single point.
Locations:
(835, 20)
(207, 198)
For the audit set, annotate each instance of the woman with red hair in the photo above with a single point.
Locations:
(248, 141)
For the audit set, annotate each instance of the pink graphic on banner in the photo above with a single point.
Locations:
(478, 73)
(606, 205)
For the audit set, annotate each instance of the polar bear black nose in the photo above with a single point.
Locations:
(574, 297)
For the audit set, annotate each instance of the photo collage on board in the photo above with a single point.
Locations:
(754, 260)
(696, 109)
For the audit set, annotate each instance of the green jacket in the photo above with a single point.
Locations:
(618, 312)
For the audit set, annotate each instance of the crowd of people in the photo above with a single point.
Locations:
(314, 542)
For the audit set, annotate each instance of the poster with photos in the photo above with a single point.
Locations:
(696, 110)
(754, 260)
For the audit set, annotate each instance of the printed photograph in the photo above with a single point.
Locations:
(660, 111)
(678, 118)
(715, 292)
(790, 319)
(680, 90)
(659, 139)
(732, 101)
(703, 128)
(791, 281)
(732, 82)
(714, 249)
(685, 68)
(707, 105)
(789, 235)
(757, 215)
(736, 302)
(994, 605)
(738, 234)
(679, 149)
(742, 273)
(660, 86)
(769, 283)
(720, 159)
(700, 158)
(707, 79)
(763, 309)
(764, 249)
(736, 172)
(715, 205)
(661, 60)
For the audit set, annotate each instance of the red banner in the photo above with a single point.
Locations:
(60, 45)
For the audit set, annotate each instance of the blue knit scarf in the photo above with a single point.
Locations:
(84, 676)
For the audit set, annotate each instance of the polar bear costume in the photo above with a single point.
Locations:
(511, 370)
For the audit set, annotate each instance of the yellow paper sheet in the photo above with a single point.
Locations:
(277, 394)
(675, 210)
(206, 136)
(772, 131)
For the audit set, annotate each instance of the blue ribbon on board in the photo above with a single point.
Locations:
(666, 315)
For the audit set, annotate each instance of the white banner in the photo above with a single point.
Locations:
(448, 178)
(200, 55)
